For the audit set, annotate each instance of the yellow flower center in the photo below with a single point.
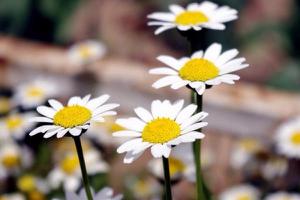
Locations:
(85, 51)
(160, 130)
(13, 122)
(191, 18)
(35, 92)
(243, 197)
(70, 164)
(198, 69)
(176, 166)
(11, 161)
(295, 138)
(72, 116)
(249, 145)
(4, 104)
(26, 183)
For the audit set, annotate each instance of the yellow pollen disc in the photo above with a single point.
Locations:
(4, 105)
(26, 183)
(160, 130)
(13, 122)
(72, 116)
(70, 164)
(36, 195)
(35, 92)
(85, 51)
(11, 161)
(243, 197)
(176, 166)
(295, 138)
(198, 69)
(191, 18)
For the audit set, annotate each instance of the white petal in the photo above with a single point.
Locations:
(170, 61)
(132, 123)
(213, 52)
(184, 28)
(192, 6)
(226, 56)
(75, 131)
(176, 108)
(129, 145)
(42, 129)
(186, 113)
(162, 16)
(195, 118)
(163, 71)
(191, 136)
(105, 108)
(233, 65)
(155, 108)
(41, 119)
(62, 133)
(130, 157)
(179, 84)
(50, 133)
(197, 54)
(144, 114)
(46, 111)
(74, 101)
(165, 81)
(176, 9)
(94, 103)
(107, 113)
(215, 26)
(126, 134)
(163, 28)
(157, 150)
(193, 127)
(55, 104)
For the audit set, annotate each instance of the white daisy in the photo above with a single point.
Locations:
(240, 192)
(244, 150)
(29, 183)
(13, 158)
(35, 93)
(105, 193)
(86, 52)
(283, 196)
(67, 171)
(16, 125)
(203, 68)
(73, 118)
(166, 125)
(287, 138)
(196, 16)
(274, 168)
(181, 163)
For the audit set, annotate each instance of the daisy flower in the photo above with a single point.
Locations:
(287, 138)
(283, 196)
(181, 164)
(275, 167)
(86, 52)
(67, 171)
(167, 124)
(74, 118)
(203, 68)
(144, 187)
(105, 193)
(13, 158)
(241, 192)
(244, 150)
(196, 16)
(16, 125)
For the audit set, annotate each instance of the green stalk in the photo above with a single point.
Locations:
(197, 99)
(83, 168)
(168, 192)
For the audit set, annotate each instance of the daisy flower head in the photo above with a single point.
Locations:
(196, 16)
(31, 184)
(35, 93)
(86, 52)
(283, 196)
(13, 158)
(165, 125)
(13, 196)
(202, 69)
(240, 192)
(287, 138)
(105, 193)
(67, 170)
(16, 125)
(74, 118)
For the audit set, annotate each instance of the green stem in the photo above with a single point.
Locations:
(168, 192)
(197, 99)
(83, 168)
